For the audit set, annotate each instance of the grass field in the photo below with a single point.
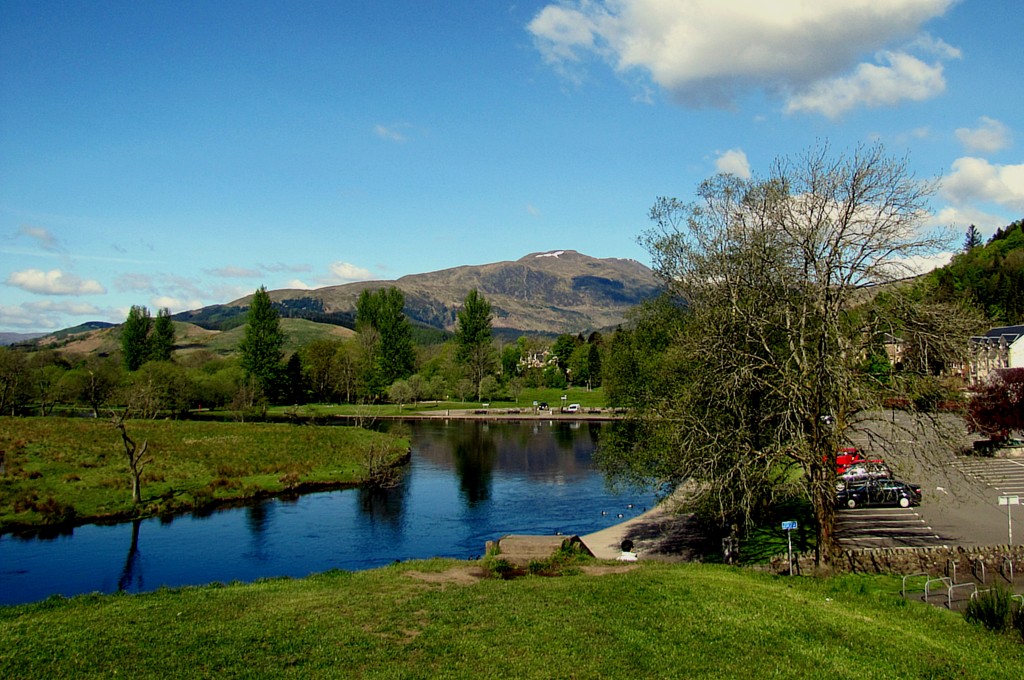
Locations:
(73, 469)
(436, 619)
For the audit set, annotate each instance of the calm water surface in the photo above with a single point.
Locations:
(468, 482)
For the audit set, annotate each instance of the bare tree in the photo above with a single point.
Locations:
(770, 271)
(137, 458)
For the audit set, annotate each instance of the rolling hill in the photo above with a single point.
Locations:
(546, 293)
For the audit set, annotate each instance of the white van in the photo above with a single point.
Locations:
(573, 408)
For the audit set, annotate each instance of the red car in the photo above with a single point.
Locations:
(849, 456)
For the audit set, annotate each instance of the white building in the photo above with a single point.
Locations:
(1001, 347)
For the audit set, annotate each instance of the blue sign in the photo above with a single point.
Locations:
(788, 526)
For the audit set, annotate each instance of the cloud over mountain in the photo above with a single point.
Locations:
(705, 52)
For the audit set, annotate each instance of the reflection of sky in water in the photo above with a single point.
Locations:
(466, 484)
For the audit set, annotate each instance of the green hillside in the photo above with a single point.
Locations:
(990, 276)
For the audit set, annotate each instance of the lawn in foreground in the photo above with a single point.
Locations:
(432, 619)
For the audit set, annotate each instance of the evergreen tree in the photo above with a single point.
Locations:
(135, 337)
(473, 348)
(295, 383)
(972, 239)
(262, 345)
(161, 342)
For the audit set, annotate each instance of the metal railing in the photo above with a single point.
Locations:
(944, 580)
(1002, 564)
(949, 593)
(975, 563)
(903, 587)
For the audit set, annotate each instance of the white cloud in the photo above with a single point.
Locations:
(45, 315)
(977, 180)
(298, 284)
(230, 272)
(282, 267)
(344, 272)
(392, 133)
(706, 51)
(73, 308)
(961, 217)
(900, 76)
(734, 162)
(921, 264)
(25, 319)
(990, 136)
(174, 304)
(53, 282)
(46, 240)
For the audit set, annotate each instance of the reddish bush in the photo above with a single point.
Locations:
(997, 407)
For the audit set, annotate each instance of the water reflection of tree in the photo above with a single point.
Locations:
(257, 519)
(474, 452)
(384, 504)
(132, 570)
(565, 435)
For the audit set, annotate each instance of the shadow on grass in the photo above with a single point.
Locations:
(766, 538)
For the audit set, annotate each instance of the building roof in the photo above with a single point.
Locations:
(1010, 332)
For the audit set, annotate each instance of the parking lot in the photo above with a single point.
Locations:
(960, 494)
(885, 528)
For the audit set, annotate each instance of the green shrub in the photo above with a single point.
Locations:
(1017, 617)
(991, 608)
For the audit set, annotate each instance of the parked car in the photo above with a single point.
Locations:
(862, 472)
(543, 406)
(880, 492)
(573, 408)
(849, 456)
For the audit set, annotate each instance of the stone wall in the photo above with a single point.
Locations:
(932, 561)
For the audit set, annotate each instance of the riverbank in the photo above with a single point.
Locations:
(509, 414)
(64, 472)
(665, 533)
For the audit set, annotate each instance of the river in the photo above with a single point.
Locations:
(467, 482)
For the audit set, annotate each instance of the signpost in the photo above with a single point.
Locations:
(788, 527)
(1008, 501)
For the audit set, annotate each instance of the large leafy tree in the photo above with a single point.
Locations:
(762, 376)
(135, 331)
(473, 347)
(388, 347)
(161, 342)
(14, 379)
(263, 343)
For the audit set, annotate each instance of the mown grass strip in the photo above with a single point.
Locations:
(654, 621)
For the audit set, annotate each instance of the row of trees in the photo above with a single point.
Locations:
(379, 363)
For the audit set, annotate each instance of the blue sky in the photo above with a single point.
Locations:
(182, 153)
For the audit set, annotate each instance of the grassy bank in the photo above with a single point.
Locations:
(434, 619)
(59, 470)
(587, 399)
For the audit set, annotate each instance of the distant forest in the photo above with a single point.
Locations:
(991, 276)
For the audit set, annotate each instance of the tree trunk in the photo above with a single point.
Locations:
(823, 503)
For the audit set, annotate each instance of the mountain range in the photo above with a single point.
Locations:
(547, 294)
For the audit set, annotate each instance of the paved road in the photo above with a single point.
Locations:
(960, 503)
